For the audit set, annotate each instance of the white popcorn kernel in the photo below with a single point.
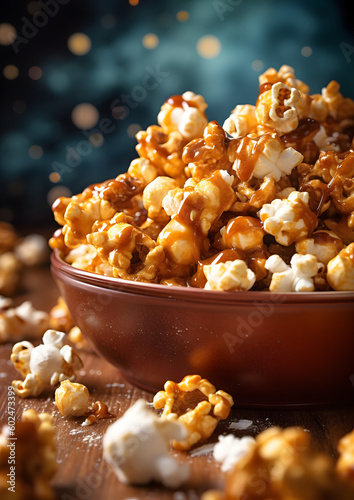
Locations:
(294, 278)
(230, 275)
(324, 245)
(230, 449)
(24, 321)
(32, 250)
(72, 398)
(290, 219)
(242, 121)
(272, 161)
(340, 270)
(137, 446)
(47, 364)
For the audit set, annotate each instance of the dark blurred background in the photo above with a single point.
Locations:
(80, 78)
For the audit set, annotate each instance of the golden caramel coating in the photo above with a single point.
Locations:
(72, 398)
(193, 212)
(282, 465)
(35, 454)
(286, 161)
(10, 273)
(345, 463)
(60, 317)
(195, 403)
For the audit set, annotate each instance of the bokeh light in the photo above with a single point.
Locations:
(150, 41)
(85, 115)
(54, 177)
(10, 72)
(96, 139)
(57, 192)
(35, 152)
(133, 129)
(182, 16)
(133, 2)
(35, 72)
(208, 46)
(8, 34)
(306, 51)
(79, 44)
(33, 7)
(257, 65)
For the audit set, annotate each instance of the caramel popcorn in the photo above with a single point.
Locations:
(60, 318)
(35, 458)
(281, 465)
(10, 273)
(230, 275)
(23, 321)
(298, 277)
(345, 463)
(276, 179)
(137, 447)
(196, 404)
(45, 365)
(340, 270)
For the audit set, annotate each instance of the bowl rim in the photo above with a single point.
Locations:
(189, 294)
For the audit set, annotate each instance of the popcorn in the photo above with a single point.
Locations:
(184, 114)
(32, 250)
(324, 245)
(288, 220)
(10, 273)
(242, 121)
(230, 449)
(340, 270)
(298, 277)
(288, 159)
(72, 398)
(242, 232)
(264, 157)
(345, 463)
(230, 275)
(285, 465)
(47, 364)
(23, 321)
(60, 317)
(196, 404)
(35, 458)
(137, 445)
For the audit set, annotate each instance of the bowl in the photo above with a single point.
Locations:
(266, 349)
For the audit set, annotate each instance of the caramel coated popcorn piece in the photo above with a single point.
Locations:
(60, 318)
(282, 464)
(290, 219)
(10, 273)
(196, 404)
(45, 365)
(35, 455)
(345, 463)
(324, 245)
(340, 270)
(72, 398)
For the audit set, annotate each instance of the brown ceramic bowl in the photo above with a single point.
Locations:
(266, 349)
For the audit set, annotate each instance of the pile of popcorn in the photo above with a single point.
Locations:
(265, 202)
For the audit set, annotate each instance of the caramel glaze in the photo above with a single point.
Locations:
(302, 139)
(247, 151)
(241, 225)
(344, 170)
(177, 101)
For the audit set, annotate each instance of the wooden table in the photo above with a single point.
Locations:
(82, 472)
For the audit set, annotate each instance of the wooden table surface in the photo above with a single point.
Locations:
(82, 472)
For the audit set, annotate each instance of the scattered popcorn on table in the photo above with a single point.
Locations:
(230, 449)
(32, 250)
(35, 458)
(282, 464)
(195, 403)
(10, 273)
(137, 447)
(287, 159)
(298, 277)
(60, 318)
(44, 365)
(340, 270)
(345, 463)
(23, 321)
(75, 400)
